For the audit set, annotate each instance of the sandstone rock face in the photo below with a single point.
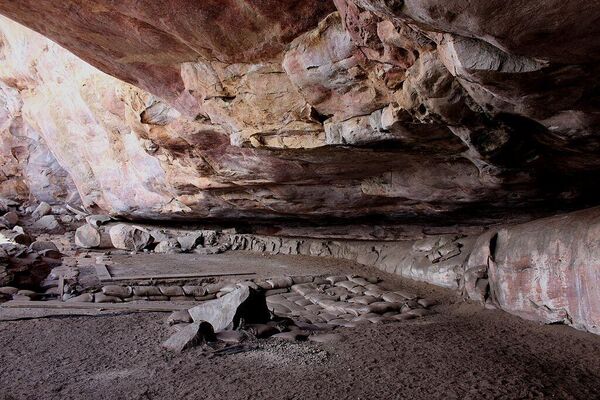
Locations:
(549, 270)
(424, 110)
(545, 270)
(430, 111)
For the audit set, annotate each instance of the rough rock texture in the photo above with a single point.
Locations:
(430, 111)
(414, 109)
(545, 270)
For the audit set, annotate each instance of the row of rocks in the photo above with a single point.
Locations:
(301, 314)
(348, 301)
(187, 292)
(97, 234)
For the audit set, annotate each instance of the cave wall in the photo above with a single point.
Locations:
(430, 112)
(322, 109)
(546, 270)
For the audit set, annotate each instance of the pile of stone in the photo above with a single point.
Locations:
(26, 262)
(23, 269)
(304, 312)
(348, 301)
(334, 300)
(99, 232)
(295, 311)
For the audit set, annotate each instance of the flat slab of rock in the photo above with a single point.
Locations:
(190, 336)
(227, 311)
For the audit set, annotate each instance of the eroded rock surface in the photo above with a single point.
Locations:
(406, 109)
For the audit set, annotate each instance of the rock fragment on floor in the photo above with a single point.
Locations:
(227, 311)
(190, 336)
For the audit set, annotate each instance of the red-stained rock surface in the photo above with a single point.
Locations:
(549, 270)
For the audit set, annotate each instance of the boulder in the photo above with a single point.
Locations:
(129, 237)
(89, 237)
(228, 311)
(190, 336)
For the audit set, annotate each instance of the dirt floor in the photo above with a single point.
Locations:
(463, 352)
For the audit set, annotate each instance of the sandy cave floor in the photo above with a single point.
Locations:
(463, 352)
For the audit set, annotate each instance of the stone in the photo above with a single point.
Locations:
(89, 237)
(67, 219)
(169, 246)
(261, 331)
(391, 297)
(83, 298)
(41, 210)
(190, 241)
(171, 290)
(42, 245)
(243, 304)
(178, 317)
(8, 290)
(144, 291)
(12, 218)
(427, 302)
(197, 291)
(190, 336)
(129, 237)
(117, 291)
(97, 220)
(49, 224)
(280, 282)
(103, 298)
